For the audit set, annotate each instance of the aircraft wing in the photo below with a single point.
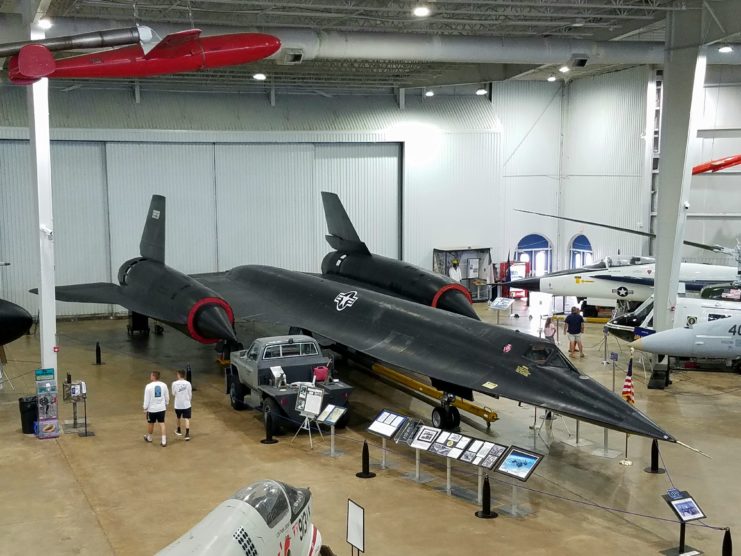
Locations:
(97, 292)
(176, 44)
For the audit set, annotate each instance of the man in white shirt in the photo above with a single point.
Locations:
(455, 271)
(182, 391)
(156, 398)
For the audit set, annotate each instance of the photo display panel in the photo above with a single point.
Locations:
(408, 431)
(425, 437)
(450, 444)
(684, 505)
(387, 423)
(519, 463)
(483, 453)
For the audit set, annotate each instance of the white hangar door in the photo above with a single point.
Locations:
(269, 208)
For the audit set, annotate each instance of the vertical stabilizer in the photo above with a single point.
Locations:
(152, 245)
(342, 235)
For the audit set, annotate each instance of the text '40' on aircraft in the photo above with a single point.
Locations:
(460, 354)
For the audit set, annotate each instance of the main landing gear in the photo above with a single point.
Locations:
(447, 415)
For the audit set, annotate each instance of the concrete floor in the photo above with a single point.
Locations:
(114, 494)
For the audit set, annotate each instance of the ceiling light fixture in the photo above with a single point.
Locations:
(564, 69)
(429, 94)
(578, 23)
(259, 77)
(725, 49)
(481, 91)
(45, 24)
(551, 78)
(421, 11)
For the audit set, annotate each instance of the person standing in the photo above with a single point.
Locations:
(549, 330)
(455, 271)
(156, 398)
(182, 391)
(574, 326)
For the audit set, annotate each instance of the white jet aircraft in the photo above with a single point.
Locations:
(265, 518)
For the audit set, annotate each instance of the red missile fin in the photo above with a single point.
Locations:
(177, 44)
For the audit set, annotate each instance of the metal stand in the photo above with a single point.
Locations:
(605, 361)
(383, 453)
(3, 375)
(306, 426)
(448, 475)
(625, 461)
(418, 476)
(86, 432)
(576, 441)
(604, 451)
(480, 485)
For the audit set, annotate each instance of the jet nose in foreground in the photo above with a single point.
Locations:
(529, 284)
(14, 322)
(213, 323)
(456, 301)
(679, 342)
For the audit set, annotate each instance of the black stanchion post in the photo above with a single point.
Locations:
(189, 375)
(682, 531)
(485, 511)
(654, 459)
(727, 544)
(69, 378)
(269, 429)
(366, 472)
(98, 357)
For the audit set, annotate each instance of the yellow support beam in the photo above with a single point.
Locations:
(488, 415)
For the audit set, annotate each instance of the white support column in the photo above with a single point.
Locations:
(684, 78)
(38, 117)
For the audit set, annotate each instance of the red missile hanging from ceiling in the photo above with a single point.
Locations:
(716, 165)
(184, 51)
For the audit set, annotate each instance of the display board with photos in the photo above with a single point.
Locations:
(387, 423)
(425, 437)
(450, 444)
(331, 414)
(519, 463)
(309, 400)
(408, 431)
(683, 505)
(483, 453)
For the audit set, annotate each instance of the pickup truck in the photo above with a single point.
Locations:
(268, 374)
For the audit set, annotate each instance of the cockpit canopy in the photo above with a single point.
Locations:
(273, 500)
(614, 262)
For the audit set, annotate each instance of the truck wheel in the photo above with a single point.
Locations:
(269, 405)
(236, 393)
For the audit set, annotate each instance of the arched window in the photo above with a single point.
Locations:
(580, 253)
(536, 250)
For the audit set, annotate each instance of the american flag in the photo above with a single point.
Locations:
(628, 392)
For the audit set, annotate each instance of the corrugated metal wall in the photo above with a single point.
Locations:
(603, 161)
(530, 115)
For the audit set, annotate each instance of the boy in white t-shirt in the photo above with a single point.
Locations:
(156, 398)
(183, 394)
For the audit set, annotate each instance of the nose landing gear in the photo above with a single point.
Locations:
(447, 415)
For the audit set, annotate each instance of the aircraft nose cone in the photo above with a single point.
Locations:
(213, 322)
(529, 284)
(638, 344)
(669, 342)
(14, 322)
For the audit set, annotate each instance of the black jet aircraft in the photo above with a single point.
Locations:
(460, 354)
(149, 287)
(353, 264)
(14, 322)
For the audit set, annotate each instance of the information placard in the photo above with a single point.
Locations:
(331, 414)
(519, 463)
(684, 506)
(408, 431)
(355, 525)
(425, 437)
(387, 423)
(501, 303)
(309, 400)
(483, 453)
(47, 403)
(450, 444)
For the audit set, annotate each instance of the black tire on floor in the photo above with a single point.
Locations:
(455, 417)
(236, 393)
(269, 405)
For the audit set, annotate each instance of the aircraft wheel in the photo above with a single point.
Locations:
(440, 418)
(269, 405)
(236, 394)
(455, 417)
